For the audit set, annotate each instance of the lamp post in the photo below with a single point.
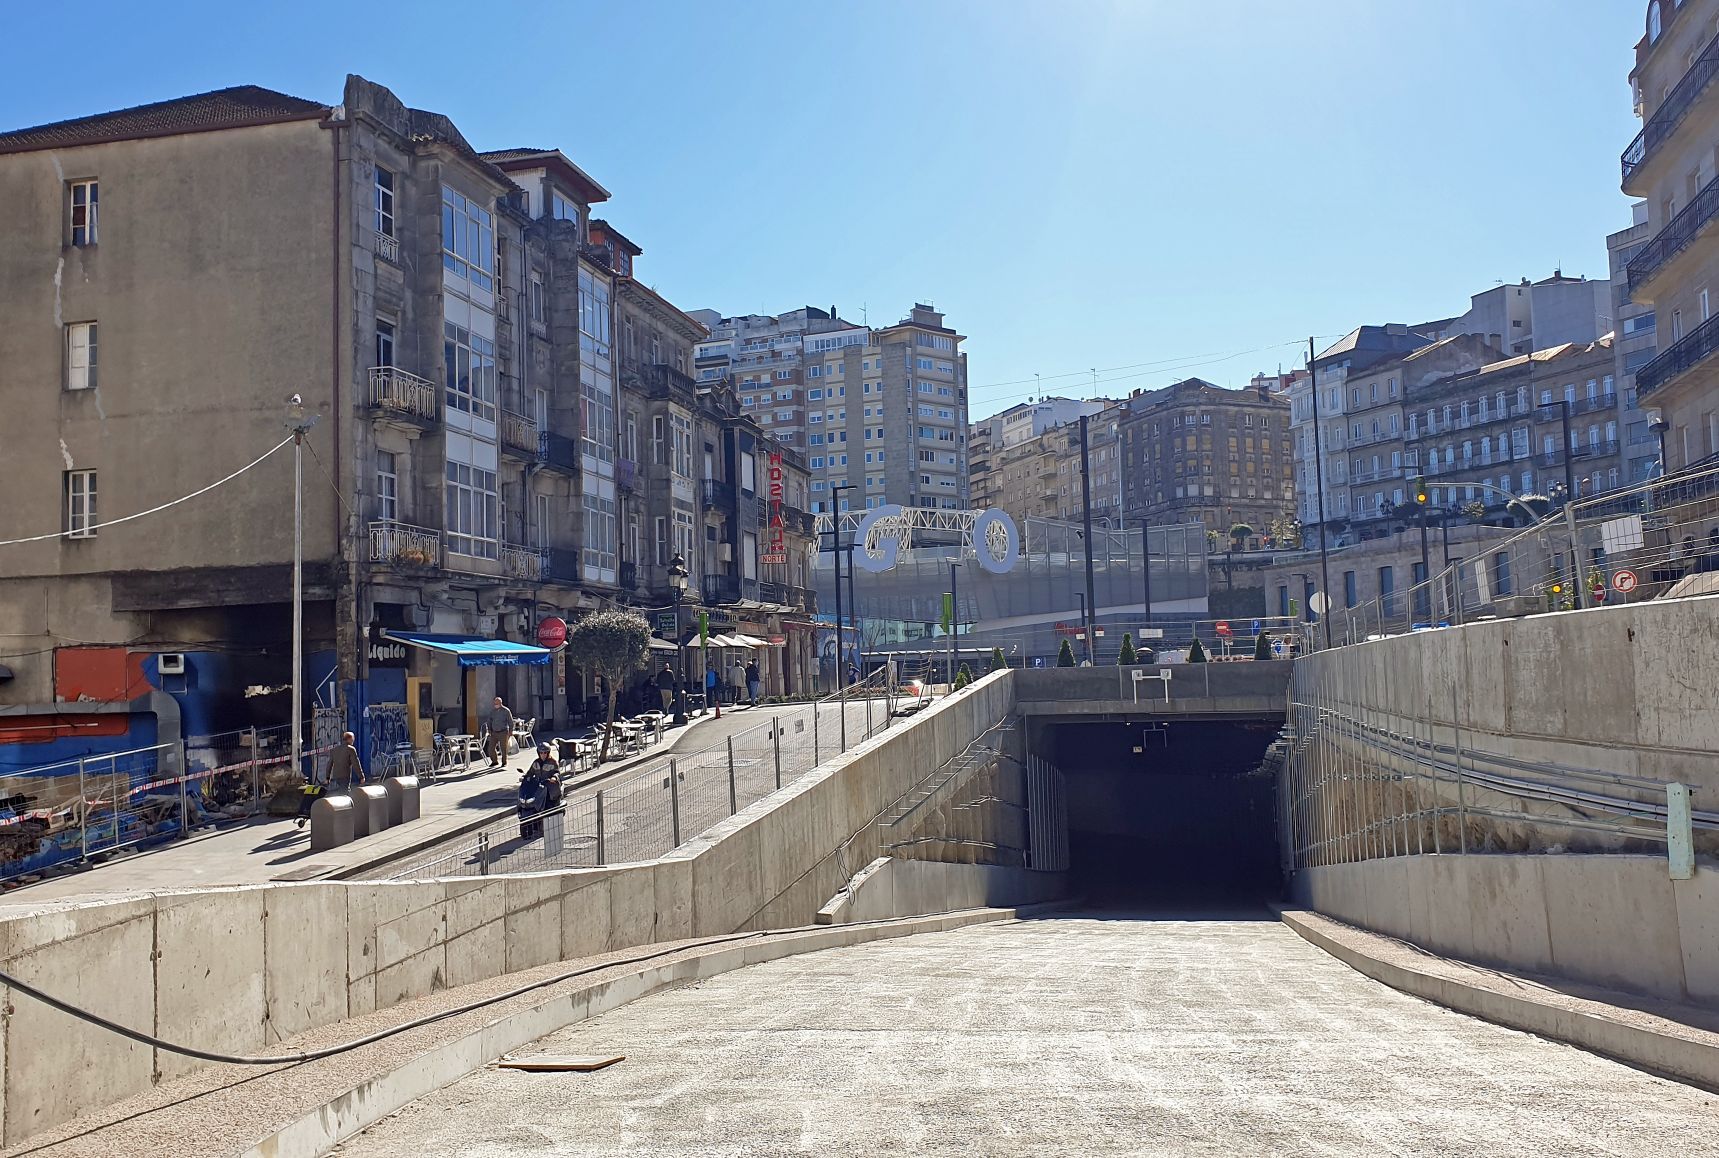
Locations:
(1563, 405)
(836, 562)
(1659, 426)
(677, 580)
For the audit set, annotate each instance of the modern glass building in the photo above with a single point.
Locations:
(1028, 610)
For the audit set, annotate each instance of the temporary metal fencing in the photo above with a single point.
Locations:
(1657, 540)
(76, 809)
(1360, 783)
(654, 808)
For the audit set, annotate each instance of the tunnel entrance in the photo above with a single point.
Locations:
(1172, 817)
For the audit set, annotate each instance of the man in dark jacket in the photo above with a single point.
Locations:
(754, 684)
(667, 682)
(539, 792)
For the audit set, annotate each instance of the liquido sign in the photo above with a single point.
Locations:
(996, 541)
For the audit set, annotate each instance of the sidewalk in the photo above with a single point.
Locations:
(272, 848)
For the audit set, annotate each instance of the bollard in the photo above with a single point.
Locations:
(674, 802)
(256, 777)
(776, 741)
(733, 798)
(483, 854)
(369, 810)
(330, 823)
(403, 799)
(602, 851)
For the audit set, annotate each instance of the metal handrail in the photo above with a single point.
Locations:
(1671, 111)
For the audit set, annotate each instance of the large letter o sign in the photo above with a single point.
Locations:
(888, 545)
(996, 542)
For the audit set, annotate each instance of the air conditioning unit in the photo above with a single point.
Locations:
(171, 663)
(725, 552)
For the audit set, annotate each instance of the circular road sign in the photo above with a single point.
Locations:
(1319, 602)
(1624, 582)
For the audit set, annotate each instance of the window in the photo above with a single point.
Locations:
(662, 541)
(469, 362)
(1349, 597)
(81, 356)
(472, 511)
(600, 539)
(562, 209)
(81, 504)
(468, 239)
(387, 486)
(384, 342)
(83, 212)
(538, 314)
(384, 202)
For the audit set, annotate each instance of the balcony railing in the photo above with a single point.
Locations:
(519, 433)
(629, 574)
(718, 494)
(660, 382)
(1671, 111)
(394, 391)
(403, 545)
(716, 589)
(387, 248)
(1696, 347)
(558, 452)
(1677, 235)
(519, 562)
(1384, 472)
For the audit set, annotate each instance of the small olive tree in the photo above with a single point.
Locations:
(612, 644)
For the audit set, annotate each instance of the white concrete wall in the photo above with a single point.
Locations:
(240, 969)
(1615, 921)
(894, 887)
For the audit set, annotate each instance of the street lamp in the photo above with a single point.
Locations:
(677, 581)
(1659, 426)
(1563, 405)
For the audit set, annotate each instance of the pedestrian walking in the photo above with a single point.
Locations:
(500, 721)
(539, 792)
(712, 684)
(753, 683)
(667, 683)
(737, 681)
(344, 770)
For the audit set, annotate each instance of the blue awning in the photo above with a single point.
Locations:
(473, 651)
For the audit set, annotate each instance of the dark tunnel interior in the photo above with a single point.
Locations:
(1174, 817)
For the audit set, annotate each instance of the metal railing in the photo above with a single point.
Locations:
(558, 452)
(1640, 542)
(1675, 237)
(387, 248)
(400, 543)
(1695, 347)
(655, 808)
(395, 391)
(81, 809)
(1671, 111)
(519, 433)
(520, 562)
(1360, 783)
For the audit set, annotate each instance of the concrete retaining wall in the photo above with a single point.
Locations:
(1625, 689)
(891, 887)
(1245, 688)
(240, 969)
(1610, 920)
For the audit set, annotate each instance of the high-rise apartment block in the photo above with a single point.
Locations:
(1026, 460)
(1670, 166)
(881, 410)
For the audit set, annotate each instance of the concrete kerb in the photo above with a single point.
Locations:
(1676, 1051)
(319, 1130)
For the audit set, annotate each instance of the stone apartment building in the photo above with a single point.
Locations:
(1026, 460)
(1633, 347)
(1193, 452)
(880, 409)
(177, 272)
(1671, 166)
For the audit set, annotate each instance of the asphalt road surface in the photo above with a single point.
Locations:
(1075, 1036)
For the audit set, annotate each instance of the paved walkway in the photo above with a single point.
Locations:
(1078, 1036)
(273, 848)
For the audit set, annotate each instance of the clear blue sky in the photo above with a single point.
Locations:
(1078, 183)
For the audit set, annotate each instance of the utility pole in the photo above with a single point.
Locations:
(836, 562)
(299, 426)
(1086, 520)
(954, 622)
(1319, 489)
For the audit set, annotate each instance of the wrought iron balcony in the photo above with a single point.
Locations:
(1679, 233)
(396, 393)
(519, 434)
(521, 562)
(717, 494)
(1696, 347)
(629, 574)
(387, 248)
(661, 382)
(558, 452)
(403, 545)
(718, 589)
(1671, 112)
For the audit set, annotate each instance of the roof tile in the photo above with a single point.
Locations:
(223, 108)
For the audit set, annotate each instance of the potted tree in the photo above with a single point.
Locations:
(1065, 655)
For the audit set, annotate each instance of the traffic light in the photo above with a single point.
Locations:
(1419, 490)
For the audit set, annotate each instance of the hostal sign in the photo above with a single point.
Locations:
(778, 552)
